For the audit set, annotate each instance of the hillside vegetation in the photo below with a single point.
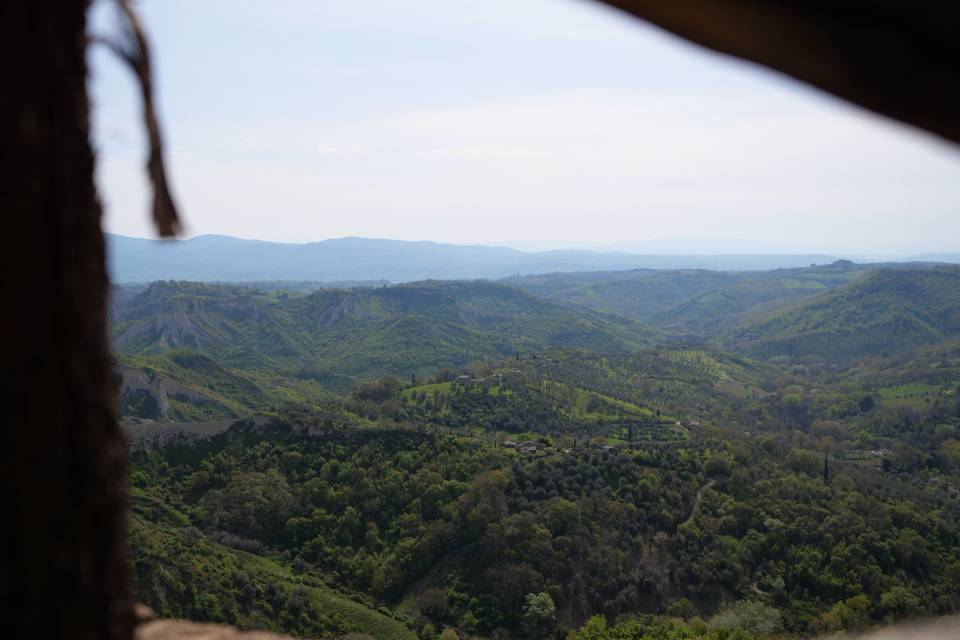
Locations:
(832, 512)
(185, 574)
(336, 338)
(690, 302)
(467, 459)
(886, 312)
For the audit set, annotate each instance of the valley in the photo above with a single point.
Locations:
(404, 460)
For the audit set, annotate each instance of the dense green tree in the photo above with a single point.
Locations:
(539, 614)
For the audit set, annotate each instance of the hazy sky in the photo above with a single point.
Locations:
(532, 122)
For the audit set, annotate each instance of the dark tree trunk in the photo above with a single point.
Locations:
(63, 463)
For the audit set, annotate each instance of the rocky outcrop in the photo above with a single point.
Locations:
(162, 434)
(146, 394)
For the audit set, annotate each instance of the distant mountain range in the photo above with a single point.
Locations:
(215, 258)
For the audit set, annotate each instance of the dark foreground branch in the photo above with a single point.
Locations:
(135, 52)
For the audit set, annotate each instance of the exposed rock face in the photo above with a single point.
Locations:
(161, 434)
(146, 391)
(145, 394)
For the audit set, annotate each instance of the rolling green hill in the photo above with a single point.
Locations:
(749, 295)
(638, 294)
(549, 450)
(199, 352)
(338, 337)
(885, 312)
(690, 302)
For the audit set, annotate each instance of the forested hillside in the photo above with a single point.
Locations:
(842, 312)
(684, 484)
(690, 302)
(471, 459)
(887, 312)
(333, 339)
